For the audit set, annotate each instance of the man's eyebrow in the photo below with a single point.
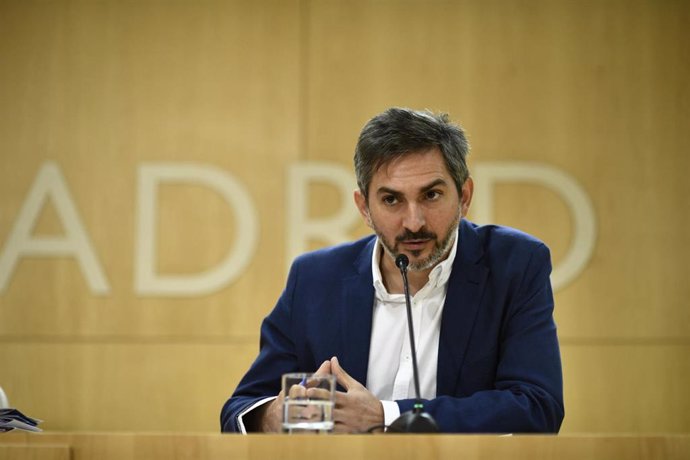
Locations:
(433, 184)
(387, 190)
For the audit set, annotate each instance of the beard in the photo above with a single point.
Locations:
(439, 251)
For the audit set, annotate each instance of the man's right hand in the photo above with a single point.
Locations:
(270, 415)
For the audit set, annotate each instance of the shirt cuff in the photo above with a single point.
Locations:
(391, 411)
(259, 403)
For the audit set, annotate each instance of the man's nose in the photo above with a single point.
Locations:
(413, 220)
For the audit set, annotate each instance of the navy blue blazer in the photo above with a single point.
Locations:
(499, 366)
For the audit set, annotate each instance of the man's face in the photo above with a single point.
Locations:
(414, 207)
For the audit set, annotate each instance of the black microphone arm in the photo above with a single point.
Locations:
(415, 420)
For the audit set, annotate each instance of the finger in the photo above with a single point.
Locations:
(340, 399)
(341, 376)
(340, 416)
(319, 393)
(341, 424)
(297, 391)
(324, 368)
(341, 428)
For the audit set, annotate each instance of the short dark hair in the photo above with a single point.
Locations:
(399, 131)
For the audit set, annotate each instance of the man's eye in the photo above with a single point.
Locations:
(389, 200)
(433, 194)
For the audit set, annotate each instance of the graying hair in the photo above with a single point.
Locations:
(400, 131)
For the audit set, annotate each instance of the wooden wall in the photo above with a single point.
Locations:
(92, 93)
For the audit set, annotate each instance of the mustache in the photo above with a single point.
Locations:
(422, 234)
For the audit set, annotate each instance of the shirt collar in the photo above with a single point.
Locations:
(438, 276)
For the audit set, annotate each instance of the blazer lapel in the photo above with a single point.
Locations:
(465, 286)
(358, 292)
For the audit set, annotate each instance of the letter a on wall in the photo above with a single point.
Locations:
(75, 242)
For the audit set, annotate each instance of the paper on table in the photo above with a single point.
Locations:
(12, 418)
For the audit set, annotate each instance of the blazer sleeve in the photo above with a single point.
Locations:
(526, 392)
(276, 357)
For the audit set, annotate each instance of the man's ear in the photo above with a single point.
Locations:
(466, 198)
(361, 203)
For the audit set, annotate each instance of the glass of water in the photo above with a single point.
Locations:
(309, 401)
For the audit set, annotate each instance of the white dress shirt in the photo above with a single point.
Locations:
(389, 374)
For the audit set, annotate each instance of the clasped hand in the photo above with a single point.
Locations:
(356, 409)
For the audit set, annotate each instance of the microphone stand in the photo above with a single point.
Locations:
(415, 420)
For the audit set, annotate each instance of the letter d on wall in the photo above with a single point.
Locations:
(147, 281)
(577, 200)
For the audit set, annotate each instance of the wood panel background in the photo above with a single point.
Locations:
(600, 90)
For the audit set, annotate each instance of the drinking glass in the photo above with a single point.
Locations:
(309, 401)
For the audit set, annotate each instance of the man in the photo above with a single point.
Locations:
(482, 302)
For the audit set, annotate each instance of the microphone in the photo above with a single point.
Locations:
(415, 420)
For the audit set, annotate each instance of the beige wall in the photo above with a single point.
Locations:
(598, 90)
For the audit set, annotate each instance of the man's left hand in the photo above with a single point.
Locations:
(356, 409)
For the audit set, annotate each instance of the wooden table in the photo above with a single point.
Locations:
(116, 446)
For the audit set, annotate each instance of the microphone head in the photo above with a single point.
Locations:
(402, 262)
